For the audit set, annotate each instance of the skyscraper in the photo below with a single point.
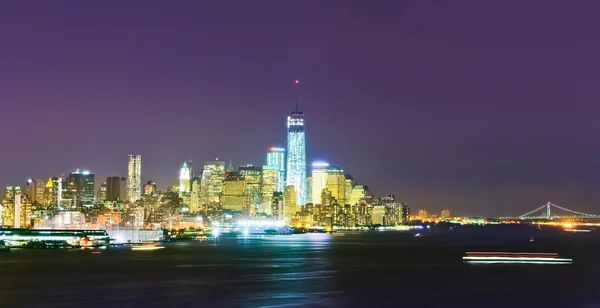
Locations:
(276, 159)
(319, 180)
(205, 181)
(185, 177)
(83, 182)
(309, 186)
(35, 190)
(269, 182)
(336, 184)
(134, 178)
(217, 174)
(195, 196)
(290, 207)
(253, 176)
(350, 183)
(57, 191)
(296, 156)
(234, 196)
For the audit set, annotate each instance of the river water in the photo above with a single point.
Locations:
(362, 269)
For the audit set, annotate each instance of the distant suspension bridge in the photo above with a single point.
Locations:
(545, 212)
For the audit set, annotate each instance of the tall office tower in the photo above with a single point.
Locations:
(69, 192)
(84, 187)
(57, 191)
(149, 188)
(336, 184)
(116, 188)
(35, 190)
(319, 180)
(253, 176)
(269, 182)
(290, 207)
(185, 177)
(195, 196)
(276, 159)
(350, 183)
(101, 194)
(134, 178)
(309, 186)
(234, 195)
(48, 192)
(296, 156)
(217, 174)
(205, 181)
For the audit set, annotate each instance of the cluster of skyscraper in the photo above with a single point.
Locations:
(280, 188)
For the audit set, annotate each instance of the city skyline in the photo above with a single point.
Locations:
(447, 105)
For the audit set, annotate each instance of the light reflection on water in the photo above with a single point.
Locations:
(316, 270)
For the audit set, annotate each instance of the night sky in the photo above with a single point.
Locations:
(485, 108)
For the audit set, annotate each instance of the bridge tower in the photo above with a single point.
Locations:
(548, 206)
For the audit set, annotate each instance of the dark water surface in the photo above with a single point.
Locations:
(368, 269)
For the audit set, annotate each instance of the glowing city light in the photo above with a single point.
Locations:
(320, 164)
(142, 248)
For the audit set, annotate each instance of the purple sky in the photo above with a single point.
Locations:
(486, 108)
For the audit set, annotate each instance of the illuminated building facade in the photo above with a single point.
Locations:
(309, 186)
(276, 159)
(83, 187)
(350, 183)
(445, 214)
(360, 194)
(195, 196)
(336, 184)
(185, 176)
(215, 181)
(423, 215)
(16, 208)
(378, 215)
(205, 181)
(319, 180)
(269, 183)
(253, 176)
(290, 207)
(296, 156)
(116, 188)
(234, 196)
(134, 178)
(57, 191)
(48, 192)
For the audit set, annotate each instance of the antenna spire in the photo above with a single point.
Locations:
(297, 82)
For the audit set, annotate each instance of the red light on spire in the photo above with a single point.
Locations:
(297, 81)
